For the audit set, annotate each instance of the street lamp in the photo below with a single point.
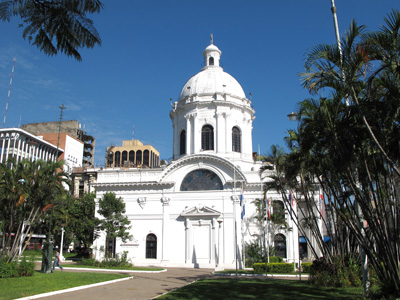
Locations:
(62, 241)
(292, 116)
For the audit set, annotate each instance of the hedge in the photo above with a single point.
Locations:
(306, 267)
(14, 269)
(275, 259)
(282, 268)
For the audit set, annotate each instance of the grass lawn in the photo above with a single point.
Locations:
(38, 254)
(252, 272)
(13, 288)
(227, 288)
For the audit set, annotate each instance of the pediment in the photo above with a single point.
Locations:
(200, 211)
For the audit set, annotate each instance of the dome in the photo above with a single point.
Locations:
(212, 47)
(212, 79)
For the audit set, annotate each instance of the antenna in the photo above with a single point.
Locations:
(62, 107)
(133, 131)
(9, 92)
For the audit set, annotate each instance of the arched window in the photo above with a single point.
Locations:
(131, 157)
(201, 180)
(124, 157)
(211, 61)
(207, 138)
(139, 157)
(183, 143)
(236, 140)
(151, 246)
(110, 159)
(280, 245)
(117, 161)
(146, 158)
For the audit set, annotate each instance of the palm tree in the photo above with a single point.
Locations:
(55, 26)
(345, 76)
(27, 189)
(351, 147)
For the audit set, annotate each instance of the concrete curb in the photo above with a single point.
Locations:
(114, 270)
(73, 289)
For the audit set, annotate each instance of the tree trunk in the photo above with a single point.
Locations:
(47, 258)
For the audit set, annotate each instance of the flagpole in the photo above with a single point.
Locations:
(234, 214)
(267, 226)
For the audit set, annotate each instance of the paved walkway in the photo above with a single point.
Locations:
(141, 286)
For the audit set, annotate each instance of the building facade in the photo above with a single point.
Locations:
(132, 154)
(73, 128)
(20, 144)
(199, 210)
(73, 149)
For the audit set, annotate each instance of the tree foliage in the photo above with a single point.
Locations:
(347, 142)
(77, 217)
(83, 221)
(115, 223)
(55, 25)
(28, 190)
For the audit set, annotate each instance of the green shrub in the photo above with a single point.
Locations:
(275, 259)
(306, 267)
(90, 262)
(8, 269)
(254, 253)
(282, 268)
(25, 268)
(108, 262)
(259, 268)
(336, 274)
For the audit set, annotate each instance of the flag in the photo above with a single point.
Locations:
(291, 201)
(242, 205)
(291, 198)
(320, 206)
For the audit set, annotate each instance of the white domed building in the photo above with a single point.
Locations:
(190, 212)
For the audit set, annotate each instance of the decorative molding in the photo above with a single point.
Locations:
(165, 201)
(235, 199)
(142, 201)
(190, 159)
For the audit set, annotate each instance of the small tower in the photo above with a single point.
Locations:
(211, 55)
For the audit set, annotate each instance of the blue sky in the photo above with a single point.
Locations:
(150, 48)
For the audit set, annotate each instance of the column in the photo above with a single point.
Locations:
(2, 151)
(8, 150)
(165, 233)
(236, 233)
(196, 138)
(13, 152)
(188, 135)
(218, 142)
(226, 139)
(213, 242)
(187, 248)
(19, 151)
(175, 137)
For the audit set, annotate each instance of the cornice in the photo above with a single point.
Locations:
(138, 184)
